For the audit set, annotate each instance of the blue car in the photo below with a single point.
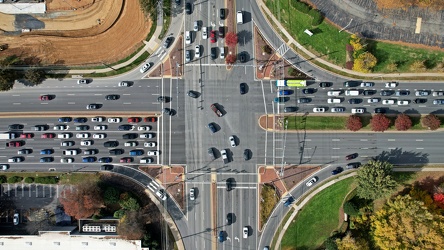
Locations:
(336, 171)
(81, 120)
(221, 236)
(65, 119)
(136, 152)
(285, 92)
(289, 201)
(281, 99)
(105, 159)
(46, 151)
(46, 159)
(89, 159)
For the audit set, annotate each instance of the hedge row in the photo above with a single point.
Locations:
(39, 179)
(306, 9)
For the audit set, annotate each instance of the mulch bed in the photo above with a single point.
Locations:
(169, 65)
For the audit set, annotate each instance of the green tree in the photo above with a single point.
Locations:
(130, 204)
(375, 180)
(34, 76)
(405, 223)
(350, 208)
(111, 195)
(7, 78)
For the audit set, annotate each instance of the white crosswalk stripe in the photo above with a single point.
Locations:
(283, 49)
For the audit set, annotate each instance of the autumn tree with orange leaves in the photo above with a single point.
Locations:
(83, 200)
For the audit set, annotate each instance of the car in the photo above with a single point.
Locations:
(114, 119)
(93, 106)
(92, 151)
(285, 92)
(243, 88)
(105, 160)
(47, 135)
(213, 53)
(388, 102)
(82, 127)
(60, 127)
(289, 201)
(82, 81)
(304, 100)
(232, 141)
(126, 127)
(188, 35)
(26, 135)
(222, 52)
(402, 92)
(161, 194)
(224, 155)
(40, 127)
(311, 182)
(86, 143)
(353, 165)
(112, 97)
(134, 119)
(98, 119)
(187, 55)
(438, 93)
(334, 100)
(136, 152)
(100, 127)
(67, 160)
(212, 127)
(319, 110)
(116, 151)
(168, 111)
(25, 151)
(145, 68)
(355, 101)
(192, 94)
(325, 84)
(65, 119)
(221, 237)
(45, 98)
(420, 100)
(386, 92)
(229, 183)
(391, 84)
(47, 159)
(163, 99)
(281, 99)
(146, 135)
(129, 136)
(211, 153)
(150, 119)
(188, 8)
(403, 102)
(131, 144)
(337, 109)
(247, 154)
(422, 93)
(197, 51)
(146, 160)
(351, 84)
(152, 153)
(16, 219)
(124, 84)
(204, 33)
(438, 101)
(106, 167)
(221, 31)
(167, 42)
(242, 57)
(144, 128)
(196, 26)
(150, 144)
(380, 111)
(245, 232)
(16, 159)
(4, 166)
(99, 136)
(89, 159)
(126, 159)
(229, 218)
(336, 171)
(368, 92)
(192, 197)
(213, 36)
(308, 91)
(222, 13)
(373, 100)
(64, 135)
(351, 156)
(46, 151)
(358, 110)
(80, 120)
(290, 109)
(82, 135)
(67, 143)
(367, 84)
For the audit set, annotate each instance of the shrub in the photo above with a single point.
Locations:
(354, 123)
(317, 17)
(96, 217)
(267, 49)
(403, 122)
(29, 180)
(2, 179)
(46, 179)
(14, 179)
(380, 123)
(119, 214)
(350, 208)
(302, 7)
(230, 59)
(431, 121)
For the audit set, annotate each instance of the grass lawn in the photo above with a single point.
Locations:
(317, 219)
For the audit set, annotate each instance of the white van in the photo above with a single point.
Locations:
(334, 93)
(352, 92)
(334, 100)
(240, 17)
(188, 37)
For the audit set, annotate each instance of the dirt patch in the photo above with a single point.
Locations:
(231, 26)
(295, 174)
(272, 122)
(57, 5)
(261, 55)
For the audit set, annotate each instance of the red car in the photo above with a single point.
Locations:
(26, 135)
(150, 119)
(213, 36)
(48, 135)
(13, 144)
(45, 98)
(126, 159)
(134, 119)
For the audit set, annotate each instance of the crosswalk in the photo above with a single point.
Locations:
(283, 49)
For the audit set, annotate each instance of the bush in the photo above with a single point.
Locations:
(29, 180)
(14, 179)
(431, 121)
(96, 217)
(380, 123)
(46, 180)
(292, 72)
(403, 122)
(302, 7)
(2, 179)
(317, 17)
(119, 214)
(111, 195)
(350, 208)
(267, 49)
(353, 123)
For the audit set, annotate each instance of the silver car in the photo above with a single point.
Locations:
(197, 51)
(145, 68)
(188, 56)
(337, 109)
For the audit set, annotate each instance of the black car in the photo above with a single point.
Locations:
(351, 84)
(82, 127)
(290, 109)
(353, 165)
(168, 111)
(211, 153)
(117, 151)
(351, 156)
(308, 91)
(325, 84)
(129, 136)
(336, 171)
(289, 201)
(106, 167)
(229, 184)
(167, 42)
(213, 53)
(111, 144)
(164, 99)
(80, 120)
(243, 88)
(212, 127)
(304, 100)
(221, 31)
(420, 100)
(112, 97)
(15, 126)
(188, 8)
(355, 101)
(125, 127)
(380, 111)
(229, 219)
(192, 94)
(247, 154)
(386, 92)
(369, 92)
(402, 92)
(222, 13)
(242, 57)
(47, 159)
(105, 160)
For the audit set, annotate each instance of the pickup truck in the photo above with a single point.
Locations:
(216, 110)
(7, 135)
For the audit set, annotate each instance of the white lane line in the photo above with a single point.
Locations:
(364, 140)
(419, 140)
(307, 139)
(16, 103)
(419, 148)
(98, 94)
(334, 156)
(126, 94)
(391, 139)
(71, 103)
(71, 94)
(44, 103)
(308, 148)
(335, 139)
(127, 103)
(15, 95)
(391, 148)
(336, 148)
(237, 187)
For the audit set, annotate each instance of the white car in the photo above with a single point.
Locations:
(98, 119)
(367, 84)
(61, 127)
(86, 143)
(99, 136)
(153, 153)
(403, 102)
(245, 232)
(358, 111)
(145, 68)
(114, 119)
(67, 160)
(422, 93)
(187, 37)
(373, 100)
(196, 26)
(131, 144)
(15, 159)
(391, 84)
(197, 51)
(188, 56)
(100, 127)
(82, 81)
(438, 93)
(4, 166)
(150, 144)
(146, 135)
(204, 33)
(64, 135)
(192, 197)
(222, 52)
(82, 135)
(144, 128)
(232, 141)
(388, 102)
(123, 84)
(311, 182)
(161, 194)
(318, 110)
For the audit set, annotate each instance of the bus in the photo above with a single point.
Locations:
(291, 83)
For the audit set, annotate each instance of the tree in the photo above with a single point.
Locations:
(375, 180)
(354, 123)
(7, 78)
(130, 204)
(230, 59)
(350, 243)
(380, 122)
(365, 62)
(405, 223)
(111, 195)
(392, 67)
(34, 76)
(83, 200)
(231, 39)
(431, 121)
(403, 122)
(355, 42)
(350, 208)
(131, 226)
(438, 198)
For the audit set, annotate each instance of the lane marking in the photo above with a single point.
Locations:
(391, 139)
(419, 140)
(335, 139)
(364, 140)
